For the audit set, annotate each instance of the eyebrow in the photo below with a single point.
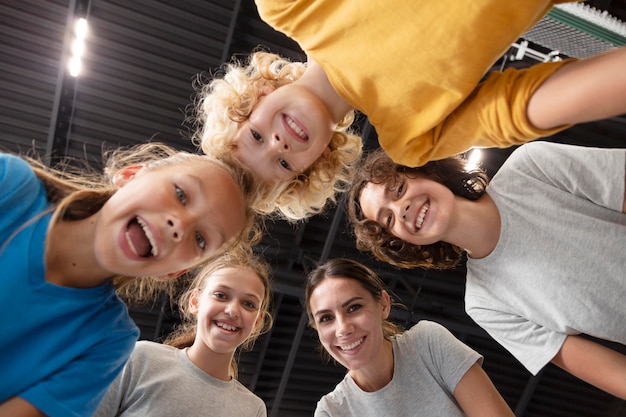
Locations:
(343, 305)
(248, 294)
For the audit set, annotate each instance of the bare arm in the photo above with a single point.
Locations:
(478, 397)
(17, 407)
(581, 91)
(593, 363)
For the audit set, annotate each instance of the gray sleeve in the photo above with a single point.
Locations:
(110, 404)
(446, 356)
(596, 174)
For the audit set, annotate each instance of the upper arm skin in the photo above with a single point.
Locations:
(17, 407)
(581, 91)
(593, 363)
(478, 397)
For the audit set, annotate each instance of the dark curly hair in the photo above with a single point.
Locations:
(378, 168)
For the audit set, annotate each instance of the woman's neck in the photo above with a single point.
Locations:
(378, 373)
(477, 226)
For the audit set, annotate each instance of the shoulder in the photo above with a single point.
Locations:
(147, 349)
(427, 338)
(14, 169)
(425, 329)
(250, 398)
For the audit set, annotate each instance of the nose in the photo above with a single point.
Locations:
(344, 327)
(401, 209)
(232, 309)
(175, 229)
(280, 144)
(178, 223)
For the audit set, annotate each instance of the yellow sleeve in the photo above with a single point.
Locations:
(494, 115)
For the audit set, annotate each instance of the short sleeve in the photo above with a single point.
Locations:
(595, 174)
(530, 343)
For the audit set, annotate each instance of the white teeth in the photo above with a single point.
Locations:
(352, 345)
(422, 214)
(149, 235)
(225, 326)
(130, 243)
(295, 128)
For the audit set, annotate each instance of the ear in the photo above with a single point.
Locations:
(386, 305)
(171, 275)
(125, 174)
(194, 302)
(326, 152)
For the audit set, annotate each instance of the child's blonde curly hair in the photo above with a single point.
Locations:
(225, 101)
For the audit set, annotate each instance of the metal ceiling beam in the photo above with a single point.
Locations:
(231, 30)
(51, 143)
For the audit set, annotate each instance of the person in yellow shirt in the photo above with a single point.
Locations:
(415, 70)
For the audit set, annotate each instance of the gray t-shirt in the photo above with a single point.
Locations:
(559, 267)
(428, 364)
(160, 381)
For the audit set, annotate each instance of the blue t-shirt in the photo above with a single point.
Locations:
(60, 347)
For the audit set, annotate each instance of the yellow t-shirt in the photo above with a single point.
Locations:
(413, 68)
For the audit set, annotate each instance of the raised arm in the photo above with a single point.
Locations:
(17, 407)
(593, 363)
(581, 91)
(478, 397)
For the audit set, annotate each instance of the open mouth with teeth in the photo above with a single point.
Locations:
(226, 326)
(352, 345)
(296, 129)
(140, 238)
(421, 215)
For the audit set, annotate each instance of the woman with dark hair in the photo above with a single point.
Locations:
(391, 372)
(545, 246)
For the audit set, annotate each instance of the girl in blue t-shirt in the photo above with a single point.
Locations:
(70, 243)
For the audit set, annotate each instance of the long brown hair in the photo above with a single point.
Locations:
(347, 268)
(378, 168)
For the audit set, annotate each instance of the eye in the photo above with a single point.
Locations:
(324, 318)
(219, 295)
(200, 241)
(284, 164)
(353, 308)
(388, 220)
(400, 189)
(180, 194)
(250, 305)
(256, 135)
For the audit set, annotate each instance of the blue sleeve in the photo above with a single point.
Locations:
(19, 190)
(78, 389)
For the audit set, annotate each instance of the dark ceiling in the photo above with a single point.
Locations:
(142, 57)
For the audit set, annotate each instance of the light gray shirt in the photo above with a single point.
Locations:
(160, 381)
(428, 364)
(559, 267)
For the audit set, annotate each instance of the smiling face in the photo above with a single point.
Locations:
(228, 309)
(167, 219)
(417, 210)
(348, 320)
(286, 132)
